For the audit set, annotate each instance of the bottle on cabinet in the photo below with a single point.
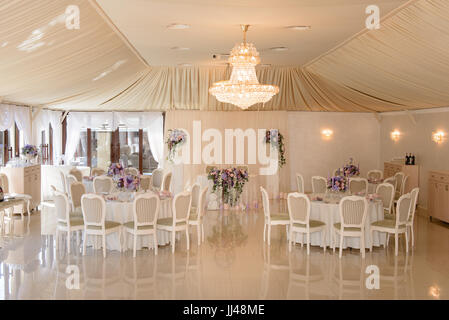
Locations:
(410, 159)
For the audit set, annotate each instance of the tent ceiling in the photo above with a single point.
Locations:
(401, 66)
(215, 27)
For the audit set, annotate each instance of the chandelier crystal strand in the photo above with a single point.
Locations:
(243, 88)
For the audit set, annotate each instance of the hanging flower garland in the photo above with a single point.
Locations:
(276, 140)
(176, 138)
(230, 182)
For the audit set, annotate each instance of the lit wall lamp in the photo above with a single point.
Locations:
(395, 135)
(327, 134)
(438, 137)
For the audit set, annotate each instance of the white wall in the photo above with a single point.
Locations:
(355, 135)
(417, 139)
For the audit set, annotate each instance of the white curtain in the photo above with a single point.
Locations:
(78, 120)
(23, 121)
(41, 122)
(6, 117)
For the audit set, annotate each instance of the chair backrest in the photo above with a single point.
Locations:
(69, 180)
(319, 184)
(77, 190)
(386, 194)
(358, 185)
(103, 184)
(414, 195)
(62, 207)
(4, 182)
(166, 181)
(404, 184)
(94, 210)
(391, 181)
(403, 209)
(399, 177)
(202, 203)
(132, 171)
(156, 178)
(265, 203)
(353, 211)
(298, 205)
(196, 188)
(181, 207)
(145, 183)
(375, 175)
(300, 183)
(97, 172)
(77, 174)
(146, 209)
(63, 180)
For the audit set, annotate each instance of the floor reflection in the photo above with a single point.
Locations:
(234, 263)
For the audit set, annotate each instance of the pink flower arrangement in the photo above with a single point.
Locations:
(116, 169)
(338, 183)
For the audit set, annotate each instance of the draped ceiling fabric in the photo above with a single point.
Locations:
(403, 65)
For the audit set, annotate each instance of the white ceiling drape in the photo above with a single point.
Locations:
(10, 114)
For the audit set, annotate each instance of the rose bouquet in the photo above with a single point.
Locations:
(338, 183)
(131, 182)
(351, 170)
(116, 169)
(30, 151)
(176, 138)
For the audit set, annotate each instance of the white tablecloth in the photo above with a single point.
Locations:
(329, 214)
(122, 212)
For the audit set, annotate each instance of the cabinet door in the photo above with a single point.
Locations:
(431, 198)
(439, 200)
(445, 203)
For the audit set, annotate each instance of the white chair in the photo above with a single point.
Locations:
(319, 184)
(65, 223)
(196, 217)
(195, 191)
(353, 210)
(77, 174)
(95, 172)
(103, 184)
(69, 180)
(300, 183)
(166, 181)
(397, 226)
(179, 222)
(272, 219)
(145, 210)
(94, 215)
(13, 212)
(391, 181)
(399, 177)
(156, 179)
(299, 213)
(132, 171)
(375, 175)
(411, 217)
(145, 183)
(358, 186)
(386, 194)
(63, 181)
(77, 190)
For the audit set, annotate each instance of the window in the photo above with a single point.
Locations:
(81, 150)
(101, 148)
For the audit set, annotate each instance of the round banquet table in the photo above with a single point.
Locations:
(122, 212)
(329, 214)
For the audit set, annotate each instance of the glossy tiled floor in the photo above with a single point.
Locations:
(232, 263)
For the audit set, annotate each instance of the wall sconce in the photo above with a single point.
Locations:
(395, 135)
(327, 134)
(438, 137)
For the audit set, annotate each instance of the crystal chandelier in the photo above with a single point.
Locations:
(243, 89)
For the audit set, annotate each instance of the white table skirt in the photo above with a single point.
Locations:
(122, 212)
(329, 214)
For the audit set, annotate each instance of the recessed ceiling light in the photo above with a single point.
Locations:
(279, 49)
(178, 26)
(180, 48)
(299, 27)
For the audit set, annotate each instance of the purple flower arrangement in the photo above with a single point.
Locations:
(131, 182)
(276, 140)
(338, 183)
(30, 150)
(230, 182)
(351, 170)
(176, 138)
(116, 169)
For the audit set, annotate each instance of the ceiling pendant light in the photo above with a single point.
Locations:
(243, 89)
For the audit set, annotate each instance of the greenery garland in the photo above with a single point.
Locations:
(276, 140)
(230, 182)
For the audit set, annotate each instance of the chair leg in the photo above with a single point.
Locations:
(134, 245)
(155, 244)
(264, 232)
(68, 241)
(308, 243)
(396, 240)
(362, 244)
(84, 242)
(323, 239)
(406, 241)
(334, 239)
(413, 235)
(269, 234)
(372, 237)
(188, 238)
(103, 238)
(198, 231)
(341, 246)
(173, 236)
(290, 240)
(202, 232)
(388, 239)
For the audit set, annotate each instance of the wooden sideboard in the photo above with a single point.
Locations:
(438, 198)
(391, 168)
(25, 180)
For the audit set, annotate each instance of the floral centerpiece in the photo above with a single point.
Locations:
(276, 140)
(351, 170)
(116, 169)
(131, 182)
(176, 138)
(30, 151)
(230, 182)
(337, 183)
